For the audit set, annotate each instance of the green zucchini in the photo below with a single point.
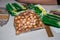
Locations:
(19, 7)
(36, 9)
(10, 7)
(49, 21)
(12, 10)
(52, 16)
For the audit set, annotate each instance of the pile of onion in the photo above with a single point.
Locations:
(27, 21)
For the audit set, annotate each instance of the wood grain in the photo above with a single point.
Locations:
(49, 32)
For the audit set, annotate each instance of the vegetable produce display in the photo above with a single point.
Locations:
(48, 18)
(32, 16)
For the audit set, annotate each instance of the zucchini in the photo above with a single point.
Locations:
(18, 7)
(51, 19)
(51, 22)
(10, 7)
(12, 10)
(52, 16)
(14, 13)
(36, 9)
(42, 9)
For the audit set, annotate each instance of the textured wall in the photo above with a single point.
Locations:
(4, 2)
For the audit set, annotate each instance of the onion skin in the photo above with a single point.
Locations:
(27, 21)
